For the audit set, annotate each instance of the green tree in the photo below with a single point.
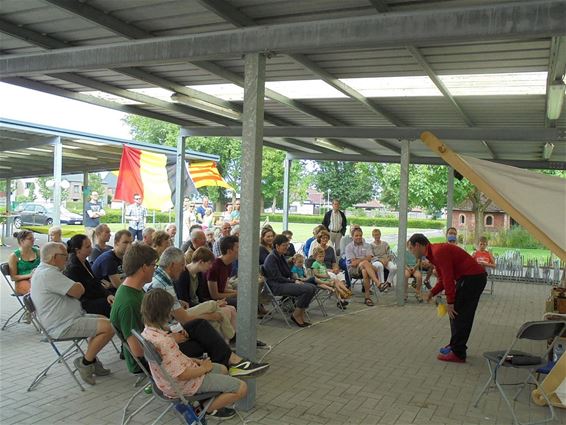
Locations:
(351, 182)
(46, 189)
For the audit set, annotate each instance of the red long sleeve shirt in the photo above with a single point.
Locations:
(452, 263)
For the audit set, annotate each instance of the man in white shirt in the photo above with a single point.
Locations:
(56, 299)
(136, 215)
(335, 221)
(358, 257)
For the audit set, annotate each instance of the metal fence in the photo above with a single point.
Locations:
(511, 266)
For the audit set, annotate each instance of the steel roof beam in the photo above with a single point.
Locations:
(130, 109)
(556, 70)
(426, 160)
(498, 21)
(410, 133)
(10, 145)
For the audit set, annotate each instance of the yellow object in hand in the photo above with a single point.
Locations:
(441, 310)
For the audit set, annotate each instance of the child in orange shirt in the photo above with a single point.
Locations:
(483, 256)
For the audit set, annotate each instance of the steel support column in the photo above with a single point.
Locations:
(86, 196)
(180, 190)
(286, 177)
(450, 197)
(402, 235)
(57, 175)
(8, 207)
(252, 145)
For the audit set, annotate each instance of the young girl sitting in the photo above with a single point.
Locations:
(320, 271)
(192, 376)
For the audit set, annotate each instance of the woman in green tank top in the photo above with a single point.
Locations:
(23, 261)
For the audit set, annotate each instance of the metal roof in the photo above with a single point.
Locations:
(176, 43)
(26, 150)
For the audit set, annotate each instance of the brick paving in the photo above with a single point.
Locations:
(366, 366)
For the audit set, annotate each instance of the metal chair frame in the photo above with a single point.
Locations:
(534, 331)
(183, 407)
(5, 270)
(62, 356)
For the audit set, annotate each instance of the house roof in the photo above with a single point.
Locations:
(112, 53)
(467, 206)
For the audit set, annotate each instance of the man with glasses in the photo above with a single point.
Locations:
(224, 232)
(56, 299)
(136, 215)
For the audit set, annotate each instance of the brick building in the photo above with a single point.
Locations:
(494, 219)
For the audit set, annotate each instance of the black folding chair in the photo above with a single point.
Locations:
(534, 331)
(22, 313)
(62, 356)
(182, 404)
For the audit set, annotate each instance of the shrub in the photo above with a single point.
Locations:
(115, 216)
(362, 221)
(515, 237)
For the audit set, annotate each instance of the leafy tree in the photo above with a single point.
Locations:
(47, 190)
(351, 182)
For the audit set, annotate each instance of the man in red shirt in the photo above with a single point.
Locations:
(218, 275)
(463, 281)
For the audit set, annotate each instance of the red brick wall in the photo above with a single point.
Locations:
(500, 221)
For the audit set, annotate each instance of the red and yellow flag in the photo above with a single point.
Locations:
(205, 173)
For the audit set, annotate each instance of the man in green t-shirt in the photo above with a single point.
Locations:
(138, 266)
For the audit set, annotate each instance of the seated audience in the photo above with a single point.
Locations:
(147, 235)
(309, 241)
(291, 251)
(412, 269)
(329, 281)
(382, 260)
(197, 337)
(171, 265)
(189, 216)
(227, 215)
(210, 238)
(197, 240)
(160, 242)
(23, 261)
(187, 244)
(108, 266)
(101, 238)
(96, 298)
(280, 280)
(483, 256)
(452, 235)
(265, 243)
(192, 376)
(358, 256)
(224, 232)
(218, 277)
(235, 216)
(56, 299)
(192, 281)
(208, 219)
(347, 239)
(55, 234)
(171, 230)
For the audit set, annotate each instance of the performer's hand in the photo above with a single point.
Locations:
(427, 296)
(451, 312)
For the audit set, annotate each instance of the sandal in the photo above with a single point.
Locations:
(369, 302)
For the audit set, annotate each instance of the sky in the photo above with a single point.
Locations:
(40, 108)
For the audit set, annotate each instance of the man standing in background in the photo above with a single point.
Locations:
(335, 221)
(93, 212)
(136, 214)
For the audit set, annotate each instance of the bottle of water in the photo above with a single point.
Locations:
(558, 351)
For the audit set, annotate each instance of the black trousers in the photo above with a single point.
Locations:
(468, 293)
(203, 338)
(96, 306)
(136, 234)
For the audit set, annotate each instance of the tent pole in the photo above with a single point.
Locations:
(180, 190)
(57, 176)
(450, 197)
(286, 177)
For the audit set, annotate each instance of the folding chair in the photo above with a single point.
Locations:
(22, 311)
(279, 304)
(183, 404)
(533, 331)
(144, 376)
(62, 356)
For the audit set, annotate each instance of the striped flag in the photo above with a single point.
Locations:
(205, 173)
(150, 174)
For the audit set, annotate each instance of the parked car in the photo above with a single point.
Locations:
(31, 213)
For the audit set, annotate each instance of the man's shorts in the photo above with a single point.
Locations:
(83, 327)
(216, 381)
(355, 272)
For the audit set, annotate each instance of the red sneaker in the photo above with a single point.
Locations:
(450, 357)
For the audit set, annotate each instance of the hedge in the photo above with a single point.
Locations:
(115, 216)
(362, 221)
